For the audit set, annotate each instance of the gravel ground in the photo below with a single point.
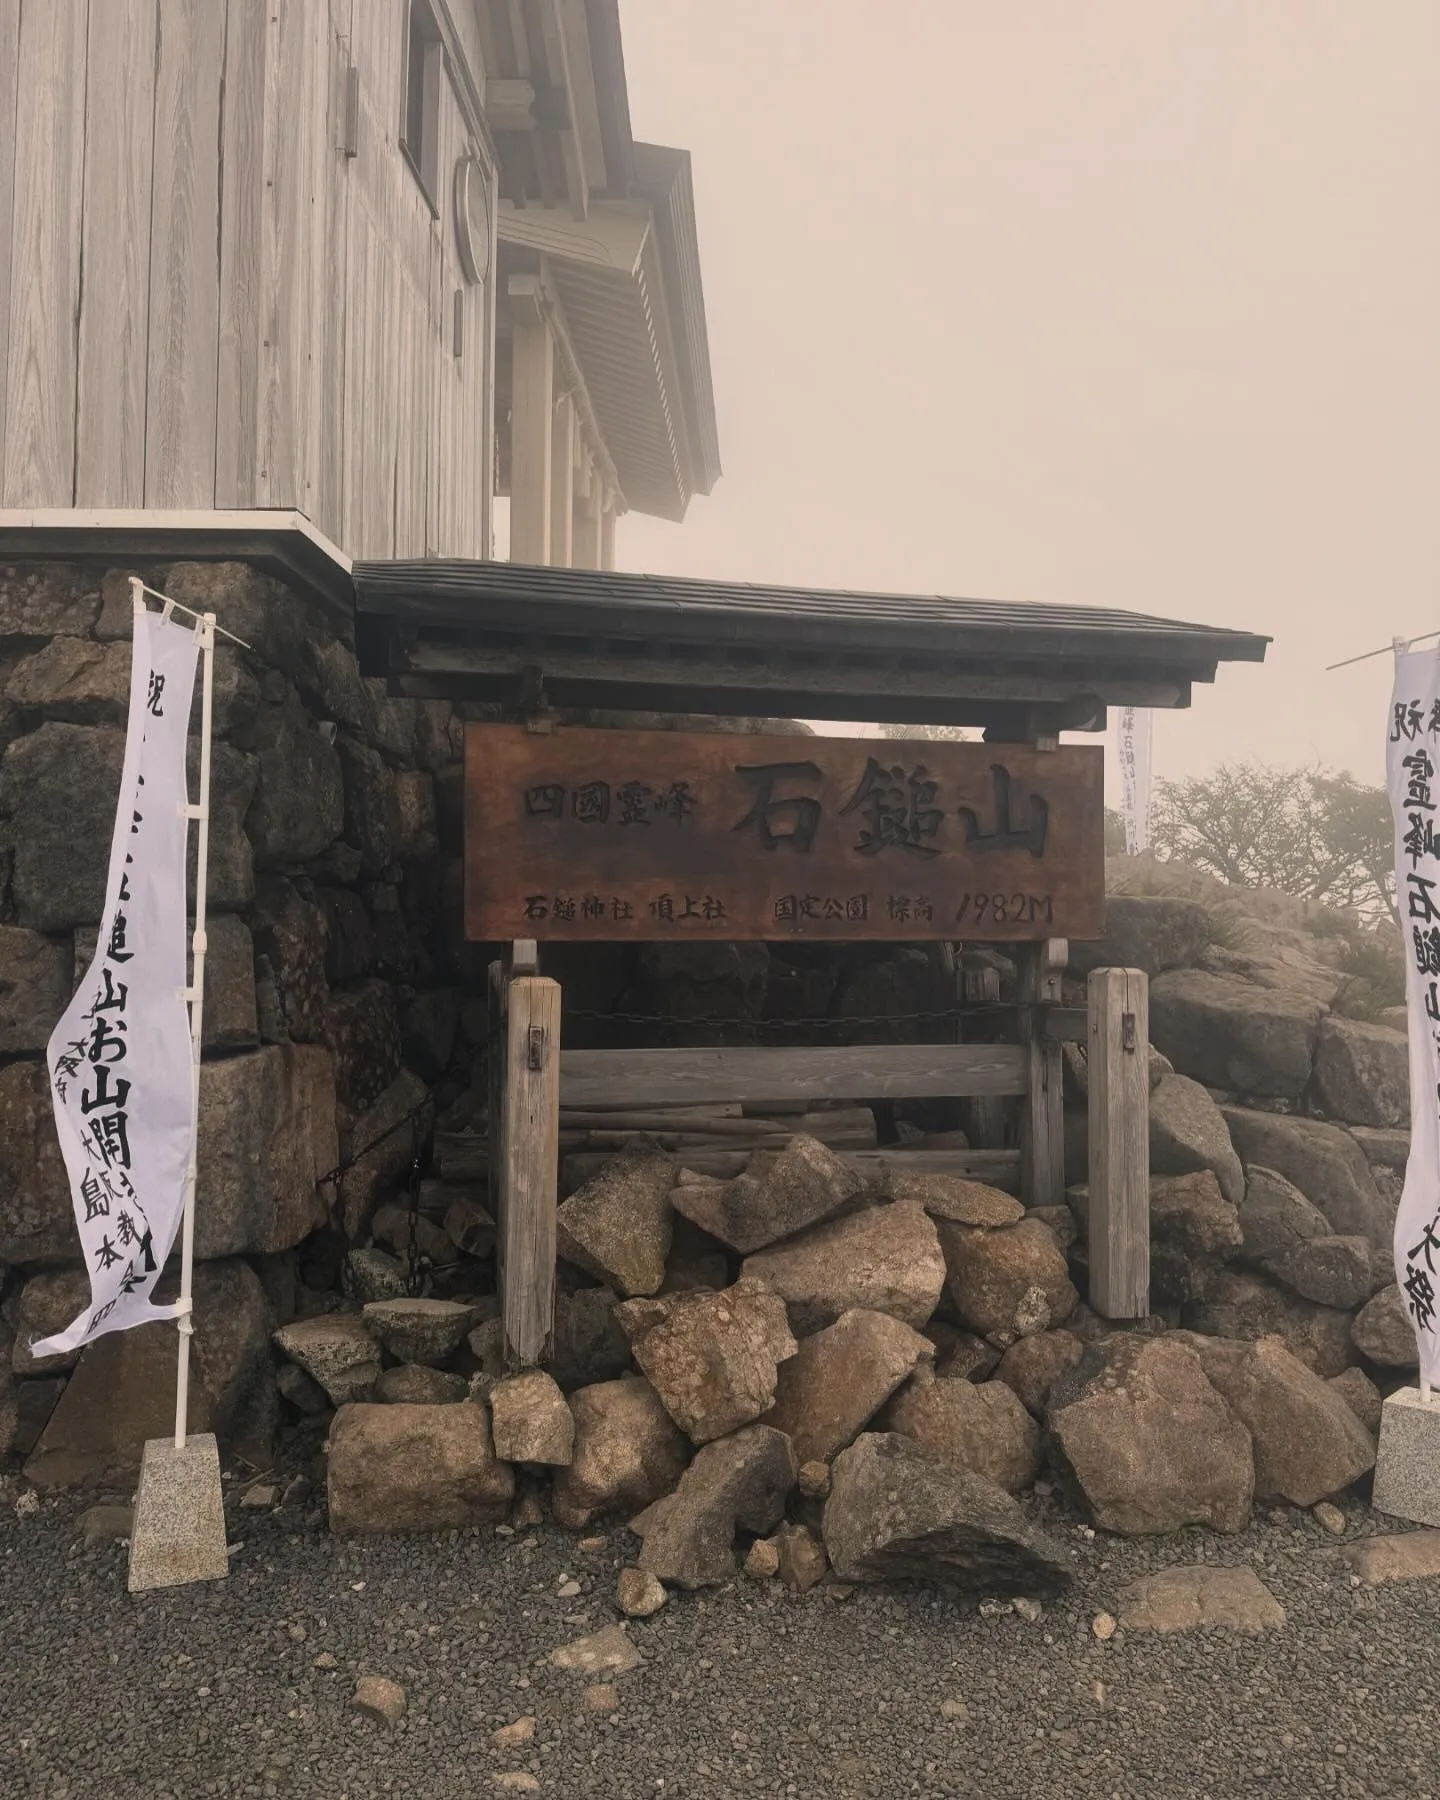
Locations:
(230, 1689)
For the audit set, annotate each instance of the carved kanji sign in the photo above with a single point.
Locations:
(671, 835)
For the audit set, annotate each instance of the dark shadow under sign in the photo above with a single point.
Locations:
(647, 835)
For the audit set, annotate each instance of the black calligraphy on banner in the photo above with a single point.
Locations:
(120, 1062)
(1413, 748)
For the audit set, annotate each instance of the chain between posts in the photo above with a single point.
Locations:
(335, 1177)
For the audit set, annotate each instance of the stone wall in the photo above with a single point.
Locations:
(335, 968)
(342, 1002)
(1279, 1120)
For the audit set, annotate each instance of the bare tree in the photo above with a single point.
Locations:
(1309, 832)
(927, 734)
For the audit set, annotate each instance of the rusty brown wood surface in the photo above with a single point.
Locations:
(641, 836)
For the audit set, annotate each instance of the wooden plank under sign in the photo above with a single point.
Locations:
(997, 1168)
(647, 835)
(873, 1072)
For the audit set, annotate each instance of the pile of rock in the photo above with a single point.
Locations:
(793, 1370)
(1278, 1126)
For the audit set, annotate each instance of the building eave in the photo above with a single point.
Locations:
(608, 274)
(663, 176)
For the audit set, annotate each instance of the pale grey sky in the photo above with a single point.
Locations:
(1129, 302)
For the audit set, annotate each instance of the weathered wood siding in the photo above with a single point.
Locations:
(206, 302)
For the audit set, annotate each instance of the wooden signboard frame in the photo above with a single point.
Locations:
(645, 836)
(578, 835)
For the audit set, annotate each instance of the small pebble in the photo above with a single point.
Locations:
(106, 1525)
(1104, 1627)
(516, 1781)
(814, 1480)
(511, 1737)
(952, 1709)
(600, 1697)
(763, 1560)
(638, 1594)
(325, 1661)
(1028, 1609)
(591, 1545)
(261, 1497)
(380, 1698)
(567, 1590)
(1330, 1517)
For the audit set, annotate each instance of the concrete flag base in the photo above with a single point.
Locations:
(179, 1530)
(1407, 1464)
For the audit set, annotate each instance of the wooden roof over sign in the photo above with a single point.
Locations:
(603, 639)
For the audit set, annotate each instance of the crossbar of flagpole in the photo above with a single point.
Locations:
(176, 606)
(1388, 650)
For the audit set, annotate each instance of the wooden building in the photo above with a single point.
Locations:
(355, 260)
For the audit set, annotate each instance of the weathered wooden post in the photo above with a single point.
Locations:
(1119, 1073)
(525, 1149)
(979, 985)
(1042, 1144)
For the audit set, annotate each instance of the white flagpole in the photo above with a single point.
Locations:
(195, 995)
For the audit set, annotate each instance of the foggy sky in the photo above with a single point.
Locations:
(1129, 302)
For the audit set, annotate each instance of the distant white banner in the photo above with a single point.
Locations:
(121, 1070)
(1135, 745)
(1411, 756)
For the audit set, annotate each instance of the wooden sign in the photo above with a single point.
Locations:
(646, 835)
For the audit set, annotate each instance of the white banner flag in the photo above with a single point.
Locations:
(1411, 757)
(1135, 743)
(121, 1063)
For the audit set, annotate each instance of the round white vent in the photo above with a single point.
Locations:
(472, 217)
